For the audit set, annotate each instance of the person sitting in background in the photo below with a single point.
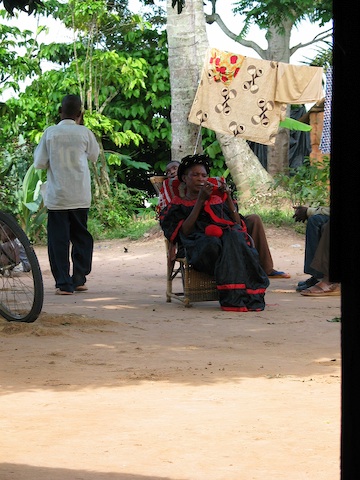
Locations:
(316, 218)
(166, 191)
(205, 221)
(324, 288)
(171, 169)
(254, 224)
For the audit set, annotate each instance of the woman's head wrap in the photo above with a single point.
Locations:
(191, 160)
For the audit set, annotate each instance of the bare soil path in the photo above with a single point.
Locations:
(117, 384)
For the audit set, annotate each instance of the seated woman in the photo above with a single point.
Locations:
(205, 221)
(253, 222)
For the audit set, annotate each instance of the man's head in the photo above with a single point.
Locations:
(70, 107)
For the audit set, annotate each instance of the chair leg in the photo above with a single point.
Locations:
(169, 279)
(195, 286)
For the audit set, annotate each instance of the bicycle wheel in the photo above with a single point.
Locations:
(21, 283)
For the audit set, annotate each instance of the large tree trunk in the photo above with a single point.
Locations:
(188, 42)
(279, 50)
(246, 171)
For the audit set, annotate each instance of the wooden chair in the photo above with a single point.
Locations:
(190, 285)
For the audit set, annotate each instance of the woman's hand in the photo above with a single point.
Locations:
(206, 191)
(224, 187)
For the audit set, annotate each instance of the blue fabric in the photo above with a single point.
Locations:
(313, 234)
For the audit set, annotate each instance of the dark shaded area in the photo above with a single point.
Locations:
(344, 249)
(299, 143)
(28, 6)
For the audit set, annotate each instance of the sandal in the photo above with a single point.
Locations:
(277, 274)
(323, 289)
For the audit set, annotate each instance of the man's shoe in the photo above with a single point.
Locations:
(310, 282)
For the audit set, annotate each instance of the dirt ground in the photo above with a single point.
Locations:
(118, 384)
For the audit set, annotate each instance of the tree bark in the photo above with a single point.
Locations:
(187, 44)
(246, 171)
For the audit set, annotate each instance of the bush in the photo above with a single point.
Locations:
(306, 185)
(122, 214)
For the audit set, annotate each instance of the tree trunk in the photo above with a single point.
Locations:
(278, 155)
(246, 171)
(101, 181)
(279, 50)
(187, 44)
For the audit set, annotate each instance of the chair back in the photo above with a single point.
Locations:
(157, 182)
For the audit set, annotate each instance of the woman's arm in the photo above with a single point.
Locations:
(204, 194)
(189, 223)
(230, 203)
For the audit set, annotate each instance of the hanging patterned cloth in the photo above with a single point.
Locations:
(247, 97)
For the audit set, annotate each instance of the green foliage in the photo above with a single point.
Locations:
(212, 148)
(15, 67)
(32, 212)
(306, 185)
(275, 13)
(8, 185)
(124, 164)
(14, 160)
(323, 58)
(116, 211)
(293, 124)
(137, 228)
(20, 191)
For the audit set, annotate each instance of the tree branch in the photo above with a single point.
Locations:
(215, 17)
(318, 38)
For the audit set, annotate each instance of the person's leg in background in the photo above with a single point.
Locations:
(256, 230)
(320, 262)
(313, 234)
(58, 236)
(82, 247)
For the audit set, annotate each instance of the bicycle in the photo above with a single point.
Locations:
(21, 282)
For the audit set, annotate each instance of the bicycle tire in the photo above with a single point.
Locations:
(21, 282)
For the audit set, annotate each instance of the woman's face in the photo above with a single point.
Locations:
(195, 177)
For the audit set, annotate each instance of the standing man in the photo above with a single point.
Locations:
(64, 151)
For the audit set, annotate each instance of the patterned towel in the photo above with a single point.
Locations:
(238, 95)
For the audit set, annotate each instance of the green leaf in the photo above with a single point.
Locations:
(292, 124)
